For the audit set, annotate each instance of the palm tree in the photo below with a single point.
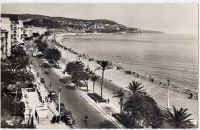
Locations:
(103, 65)
(178, 118)
(94, 78)
(136, 87)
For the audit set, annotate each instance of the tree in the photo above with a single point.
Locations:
(136, 87)
(18, 51)
(16, 63)
(104, 65)
(79, 75)
(74, 66)
(41, 45)
(94, 78)
(52, 54)
(142, 112)
(179, 118)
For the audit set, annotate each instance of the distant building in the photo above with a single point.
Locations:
(17, 31)
(12, 34)
(5, 37)
(30, 30)
(4, 43)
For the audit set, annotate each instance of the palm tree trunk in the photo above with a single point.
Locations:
(93, 85)
(102, 83)
(121, 104)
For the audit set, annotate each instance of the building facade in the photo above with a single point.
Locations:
(17, 31)
(5, 37)
(12, 33)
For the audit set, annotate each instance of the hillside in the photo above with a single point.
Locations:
(72, 25)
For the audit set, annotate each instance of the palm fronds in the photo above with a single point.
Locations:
(135, 87)
(179, 118)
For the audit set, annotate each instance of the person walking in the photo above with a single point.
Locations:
(108, 100)
(86, 120)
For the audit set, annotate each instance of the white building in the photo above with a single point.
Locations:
(17, 30)
(5, 37)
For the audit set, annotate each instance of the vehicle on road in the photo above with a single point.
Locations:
(66, 115)
(70, 85)
(52, 95)
(45, 65)
(42, 80)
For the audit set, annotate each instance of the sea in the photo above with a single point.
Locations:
(163, 56)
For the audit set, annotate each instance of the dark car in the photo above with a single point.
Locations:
(45, 65)
(42, 80)
(40, 55)
(54, 64)
(52, 95)
(70, 85)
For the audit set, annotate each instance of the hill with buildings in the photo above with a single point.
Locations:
(73, 25)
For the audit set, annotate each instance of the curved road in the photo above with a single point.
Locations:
(72, 100)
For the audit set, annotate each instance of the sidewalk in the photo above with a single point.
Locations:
(51, 106)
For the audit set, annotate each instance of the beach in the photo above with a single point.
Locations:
(120, 79)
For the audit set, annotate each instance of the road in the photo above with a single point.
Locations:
(72, 100)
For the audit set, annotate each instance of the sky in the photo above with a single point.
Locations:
(170, 18)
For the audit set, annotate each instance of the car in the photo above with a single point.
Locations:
(46, 72)
(70, 85)
(40, 55)
(42, 80)
(67, 118)
(62, 108)
(45, 65)
(54, 64)
(52, 95)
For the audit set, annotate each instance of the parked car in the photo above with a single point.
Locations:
(70, 85)
(45, 65)
(54, 64)
(40, 55)
(52, 95)
(46, 72)
(42, 80)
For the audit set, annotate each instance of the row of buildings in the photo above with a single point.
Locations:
(12, 33)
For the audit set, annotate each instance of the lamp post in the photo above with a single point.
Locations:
(168, 83)
(59, 95)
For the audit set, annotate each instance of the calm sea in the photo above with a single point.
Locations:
(161, 55)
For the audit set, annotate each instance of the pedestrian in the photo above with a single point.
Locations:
(36, 115)
(38, 120)
(108, 100)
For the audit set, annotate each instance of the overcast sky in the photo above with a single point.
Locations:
(170, 18)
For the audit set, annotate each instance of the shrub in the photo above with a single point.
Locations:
(41, 45)
(18, 51)
(106, 124)
(52, 53)
(143, 111)
(74, 66)
(36, 34)
(128, 72)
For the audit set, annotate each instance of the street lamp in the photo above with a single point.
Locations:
(59, 95)
(168, 83)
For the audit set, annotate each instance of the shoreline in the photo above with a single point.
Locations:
(122, 77)
(161, 82)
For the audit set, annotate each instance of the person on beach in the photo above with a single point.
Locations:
(191, 96)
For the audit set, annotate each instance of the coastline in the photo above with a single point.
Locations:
(121, 78)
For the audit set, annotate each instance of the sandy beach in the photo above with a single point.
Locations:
(121, 80)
